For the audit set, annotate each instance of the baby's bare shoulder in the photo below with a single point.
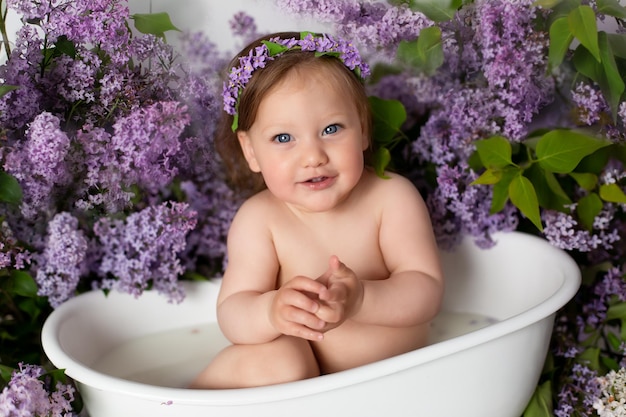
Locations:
(392, 186)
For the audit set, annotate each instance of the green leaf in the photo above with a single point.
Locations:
(5, 374)
(7, 88)
(607, 361)
(616, 311)
(587, 209)
(611, 8)
(591, 357)
(561, 38)
(489, 177)
(23, 284)
(64, 46)
(274, 48)
(611, 83)
(494, 152)
(585, 180)
(425, 53)
(523, 196)
(612, 193)
(30, 307)
(550, 194)
(435, 10)
(617, 43)
(382, 158)
(153, 23)
(561, 150)
(614, 341)
(587, 65)
(540, 404)
(388, 117)
(430, 49)
(582, 24)
(501, 189)
(10, 189)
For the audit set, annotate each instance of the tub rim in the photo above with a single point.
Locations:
(82, 374)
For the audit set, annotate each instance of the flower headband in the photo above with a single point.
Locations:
(269, 50)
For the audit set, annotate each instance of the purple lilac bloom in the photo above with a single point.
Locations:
(19, 106)
(243, 26)
(457, 208)
(26, 395)
(11, 254)
(216, 205)
(374, 24)
(590, 103)
(39, 164)
(61, 263)
(74, 79)
(562, 231)
(103, 182)
(143, 249)
(146, 143)
(581, 389)
(101, 23)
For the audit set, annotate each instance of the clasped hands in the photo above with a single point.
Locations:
(308, 308)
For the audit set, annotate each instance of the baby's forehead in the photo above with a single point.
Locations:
(324, 75)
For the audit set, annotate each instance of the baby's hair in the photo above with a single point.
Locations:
(262, 81)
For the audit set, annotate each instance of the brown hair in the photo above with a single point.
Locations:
(226, 143)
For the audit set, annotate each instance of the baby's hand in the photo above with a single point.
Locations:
(343, 297)
(294, 306)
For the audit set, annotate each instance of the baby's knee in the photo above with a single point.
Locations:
(286, 359)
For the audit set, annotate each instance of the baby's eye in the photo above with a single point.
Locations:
(282, 138)
(330, 129)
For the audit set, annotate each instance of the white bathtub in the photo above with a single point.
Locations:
(493, 371)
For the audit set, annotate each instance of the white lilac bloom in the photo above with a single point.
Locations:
(612, 402)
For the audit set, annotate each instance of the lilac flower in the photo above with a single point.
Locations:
(19, 106)
(242, 25)
(39, 164)
(61, 263)
(561, 231)
(582, 389)
(143, 249)
(142, 151)
(622, 112)
(146, 142)
(457, 208)
(373, 24)
(590, 102)
(12, 255)
(216, 205)
(26, 395)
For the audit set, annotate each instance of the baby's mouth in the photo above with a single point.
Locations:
(317, 179)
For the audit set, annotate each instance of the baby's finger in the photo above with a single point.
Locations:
(305, 284)
(295, 328)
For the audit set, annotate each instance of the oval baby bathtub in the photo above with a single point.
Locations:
(133, 357)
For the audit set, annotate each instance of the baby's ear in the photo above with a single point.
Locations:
(248, 151)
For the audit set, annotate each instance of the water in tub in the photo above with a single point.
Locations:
(172, 358)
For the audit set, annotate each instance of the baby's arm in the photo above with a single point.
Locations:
(412, 294)
(250, 309)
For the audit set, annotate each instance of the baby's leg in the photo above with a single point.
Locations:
(284, 359)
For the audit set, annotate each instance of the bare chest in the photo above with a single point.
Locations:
(305, 249)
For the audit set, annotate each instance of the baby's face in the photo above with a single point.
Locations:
(307, 141)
